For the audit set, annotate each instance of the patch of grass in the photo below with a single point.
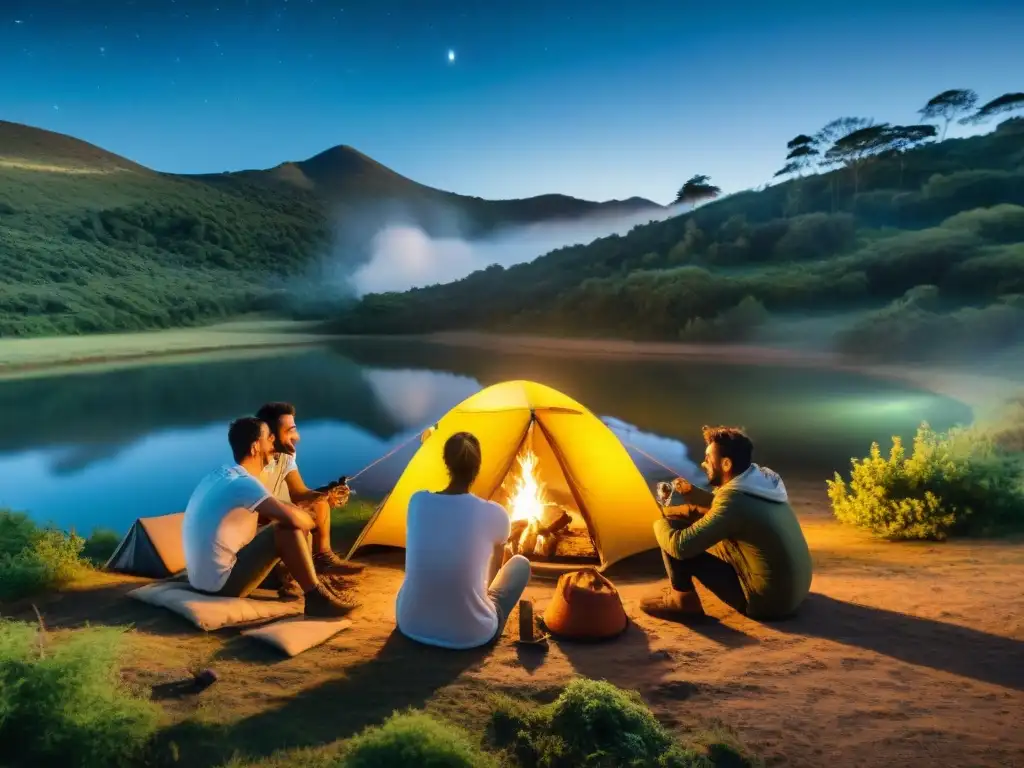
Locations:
(348, 522)
(414, 738)
(954, 483)
(34, 559)
(594, 724)
(65, 703)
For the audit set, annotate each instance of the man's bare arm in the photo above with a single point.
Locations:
(298, 491)
(289, 514)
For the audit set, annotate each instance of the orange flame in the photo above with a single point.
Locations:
(526, 502)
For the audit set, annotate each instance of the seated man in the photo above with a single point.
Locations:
(745, 544)
(282, 478)
(454, 595)
(224, 552)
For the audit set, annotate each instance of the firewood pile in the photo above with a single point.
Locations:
(540, 536)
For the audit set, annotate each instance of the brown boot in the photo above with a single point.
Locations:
(673, 605)
(329, 564)
(289, 589)
(322, 603)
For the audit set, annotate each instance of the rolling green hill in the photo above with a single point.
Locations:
(925, 248)
(90, 241)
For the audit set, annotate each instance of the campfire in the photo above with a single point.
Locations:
(537, 524)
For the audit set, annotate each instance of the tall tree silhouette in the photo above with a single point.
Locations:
(1008, 102)
(903, 138)
(949, 105)
(697, 188)
(825, 140)
(802, 151)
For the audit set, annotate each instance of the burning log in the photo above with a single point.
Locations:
(539, 536)
(528, 539)
(547, 545)
(554, 520)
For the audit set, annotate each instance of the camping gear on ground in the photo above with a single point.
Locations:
(528, 626)
(293, 636)
(205, 679)
(578, 458)
(260, 613)
(152, 547)
(211, 612)
(585, 606)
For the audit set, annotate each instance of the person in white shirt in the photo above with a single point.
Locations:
(282, 478)
(454, 595)
(225, 554)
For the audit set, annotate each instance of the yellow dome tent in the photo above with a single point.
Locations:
(579, 459)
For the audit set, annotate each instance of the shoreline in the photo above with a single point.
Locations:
(984, 393)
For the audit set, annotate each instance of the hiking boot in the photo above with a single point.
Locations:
(329, 564)
(290, 588)
(322, 603)
(673, 605)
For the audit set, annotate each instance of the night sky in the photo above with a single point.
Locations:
(595, 98)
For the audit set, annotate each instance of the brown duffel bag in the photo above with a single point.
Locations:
(585, 606)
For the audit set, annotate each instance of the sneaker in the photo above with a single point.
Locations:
(322, 603)
(328, 563)
(673, 605)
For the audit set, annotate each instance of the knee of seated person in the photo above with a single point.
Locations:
(521, 563)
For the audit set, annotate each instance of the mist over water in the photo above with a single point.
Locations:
(404, 253)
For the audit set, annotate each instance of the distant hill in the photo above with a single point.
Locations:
(923, 252)
(91, 241)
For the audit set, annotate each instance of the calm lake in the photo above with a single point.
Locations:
(101, 448)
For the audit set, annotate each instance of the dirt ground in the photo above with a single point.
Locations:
(904, 654)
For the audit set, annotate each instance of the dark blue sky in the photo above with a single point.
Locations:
(595, 98)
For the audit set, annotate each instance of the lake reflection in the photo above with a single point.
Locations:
(98, 449)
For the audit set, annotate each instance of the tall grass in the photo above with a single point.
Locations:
(64, 703)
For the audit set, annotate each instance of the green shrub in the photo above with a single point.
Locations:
(913, 328)
(66, 703)
(816, 236)
(100, 546)
(998, 224)
(414, 738)
(735, 324)
(593, 724)
(34, 559)
(954, 483)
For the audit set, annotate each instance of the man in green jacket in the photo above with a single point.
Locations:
(742, 541)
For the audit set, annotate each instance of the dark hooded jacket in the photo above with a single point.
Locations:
(751, 526)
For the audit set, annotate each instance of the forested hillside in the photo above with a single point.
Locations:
(927, 235)
(90, 241)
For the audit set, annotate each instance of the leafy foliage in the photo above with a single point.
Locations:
(948, 105)
(593, 724)
(65, 703)
(414, 738)
(1008, 102)
(33, 559)
(697, 188)
(941, 214)
(958, 482)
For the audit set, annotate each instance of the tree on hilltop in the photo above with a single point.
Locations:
(1008, 102)
(697, 188)
(948, 105)
(903, 138)
(802, 151)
